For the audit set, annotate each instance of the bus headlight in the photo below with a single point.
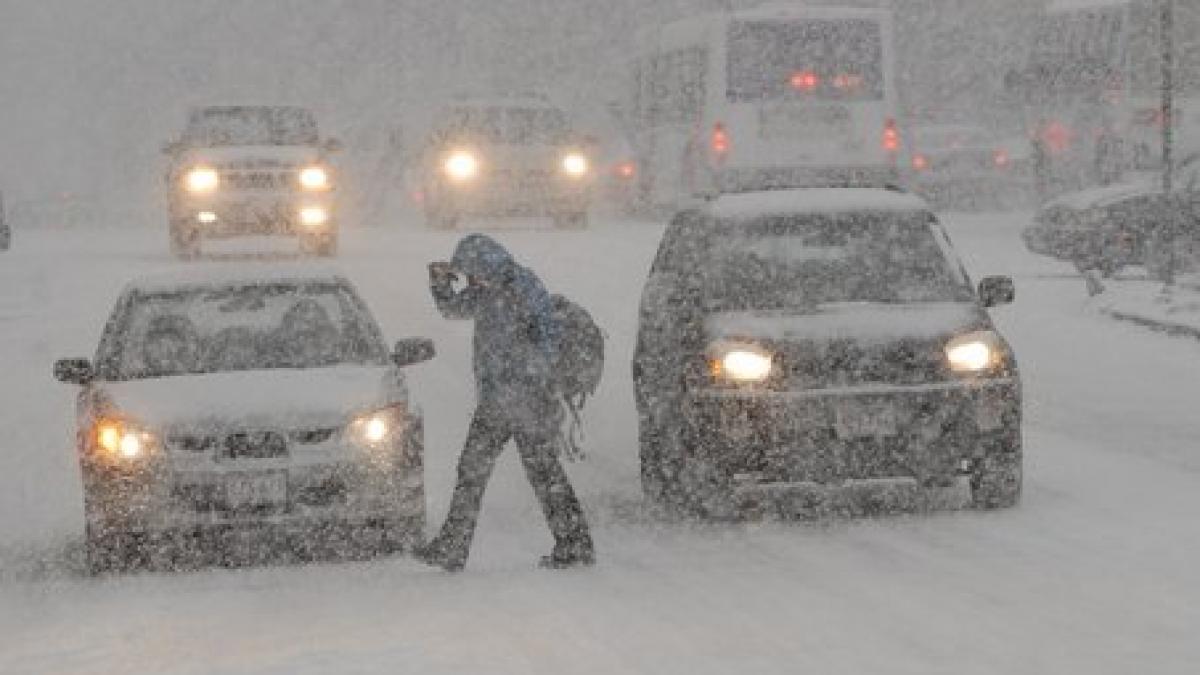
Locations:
(314, 178)
(975, 352)
(202, 180)
(461, 166)
(575, 165)
(741, 363)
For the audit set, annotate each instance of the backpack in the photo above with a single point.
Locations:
(579, 364)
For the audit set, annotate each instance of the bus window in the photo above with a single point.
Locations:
(826, 59)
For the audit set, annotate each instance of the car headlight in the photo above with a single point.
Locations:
(313, 216)
(202, 179)
(741, 363)
(575, 165)
(378, 428)
(461, 165)
(976, 352)
(122, 441)
(314, 178)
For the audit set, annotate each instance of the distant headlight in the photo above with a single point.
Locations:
(741, 363)
(122, 441)
(202, 179)
(461, 165)
(313, 216)
(975, 352)
(575, 165)
(314, 178)
(378, 428)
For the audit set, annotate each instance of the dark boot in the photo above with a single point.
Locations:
(577, 553)
(437, 554)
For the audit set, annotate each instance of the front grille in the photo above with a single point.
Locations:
(255, 445)
(258, 180)
(848, 363)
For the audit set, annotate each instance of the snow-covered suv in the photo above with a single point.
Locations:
(800, 345)
(247, 170)
(261, 401)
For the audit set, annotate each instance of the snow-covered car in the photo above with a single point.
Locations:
(510, 156)
(800, 345)
(218, 403)
(251, 170)
(967, 166)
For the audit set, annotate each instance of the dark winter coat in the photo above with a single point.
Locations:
(515, 333)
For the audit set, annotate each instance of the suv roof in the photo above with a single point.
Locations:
(749, 205)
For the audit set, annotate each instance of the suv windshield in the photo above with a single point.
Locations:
(243, 328)
(798, 262)
(213, 127)
(516, 125)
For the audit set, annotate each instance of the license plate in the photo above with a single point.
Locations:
(825, 123)
(865, 421)
(256, 490)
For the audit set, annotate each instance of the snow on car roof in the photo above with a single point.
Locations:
(813, 200)
(224, 276)
(1075, 5)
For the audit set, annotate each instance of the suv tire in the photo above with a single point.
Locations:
(996, 480)
(185, 241)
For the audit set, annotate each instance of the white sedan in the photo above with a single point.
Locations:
(263, 402)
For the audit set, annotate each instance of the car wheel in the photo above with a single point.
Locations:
(692, 483)
(185, 241)
(996, 480)
(320, 245)
(650, 462)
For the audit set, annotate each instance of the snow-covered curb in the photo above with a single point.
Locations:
(1173, 310)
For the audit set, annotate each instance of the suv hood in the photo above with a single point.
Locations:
(254, 156)
(863, 322)
(255, 399)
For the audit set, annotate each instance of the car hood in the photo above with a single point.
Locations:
(862, 322)
(255, 399)
(254, 156)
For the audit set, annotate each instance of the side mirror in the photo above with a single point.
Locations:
(74, 371)
(995, 291)
(332, 145)
(413, 351)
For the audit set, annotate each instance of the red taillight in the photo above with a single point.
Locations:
(1056, 136)
(920, 163)
(720, 139)
(891, 137)
(626, 170)
(1000, 158)
(805, 80)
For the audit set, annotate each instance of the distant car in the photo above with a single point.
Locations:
(251, 170)
(512, 156)
(798, 344)
(1109, 228)
(967, 166)
(5, 230)
(264, 402)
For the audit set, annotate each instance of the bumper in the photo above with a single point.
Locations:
(740, 179)
(926, 433)
(241, 214)
(298, 493)
(535, 198)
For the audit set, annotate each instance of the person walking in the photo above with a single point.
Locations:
(515, 339)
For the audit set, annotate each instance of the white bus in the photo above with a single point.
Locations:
(771, 97)
(1092, 89)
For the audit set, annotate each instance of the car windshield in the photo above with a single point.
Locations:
(799, 262)
(259, 327)
(213, 127)
(516, 125)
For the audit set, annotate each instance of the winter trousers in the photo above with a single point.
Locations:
(488, 435)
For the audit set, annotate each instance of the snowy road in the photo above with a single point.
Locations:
(1098, 570)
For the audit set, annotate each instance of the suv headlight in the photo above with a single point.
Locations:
(314, 178)
(461, 165)
(202, 180)
(976, 352)
(378, 428)
(741, 363)
(122, 441)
